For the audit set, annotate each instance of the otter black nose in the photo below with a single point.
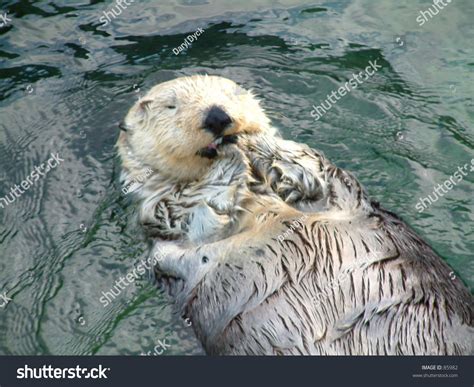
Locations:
(217, 120)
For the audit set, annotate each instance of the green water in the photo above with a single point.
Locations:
(66, 81)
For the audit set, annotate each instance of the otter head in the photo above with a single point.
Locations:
(178, 127)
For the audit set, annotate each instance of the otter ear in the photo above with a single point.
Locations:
(143, 109)
(145, 104)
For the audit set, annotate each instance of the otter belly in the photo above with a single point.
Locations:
(332, 287)
(339, 276)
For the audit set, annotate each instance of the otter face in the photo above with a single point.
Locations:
(179, 126)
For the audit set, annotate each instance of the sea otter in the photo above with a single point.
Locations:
(352, 278)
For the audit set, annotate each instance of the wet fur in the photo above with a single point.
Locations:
(386, 291)
(247, 291)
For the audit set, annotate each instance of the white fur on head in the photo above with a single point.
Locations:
(165, 128)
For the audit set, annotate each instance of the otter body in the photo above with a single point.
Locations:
(369, 287)
(352, 278)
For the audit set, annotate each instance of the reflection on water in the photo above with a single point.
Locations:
(67, 79)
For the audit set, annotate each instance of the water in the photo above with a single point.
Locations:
(66, 81)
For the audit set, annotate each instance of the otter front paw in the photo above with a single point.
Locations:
(206, 224)
(169, 222)
(294, 183)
